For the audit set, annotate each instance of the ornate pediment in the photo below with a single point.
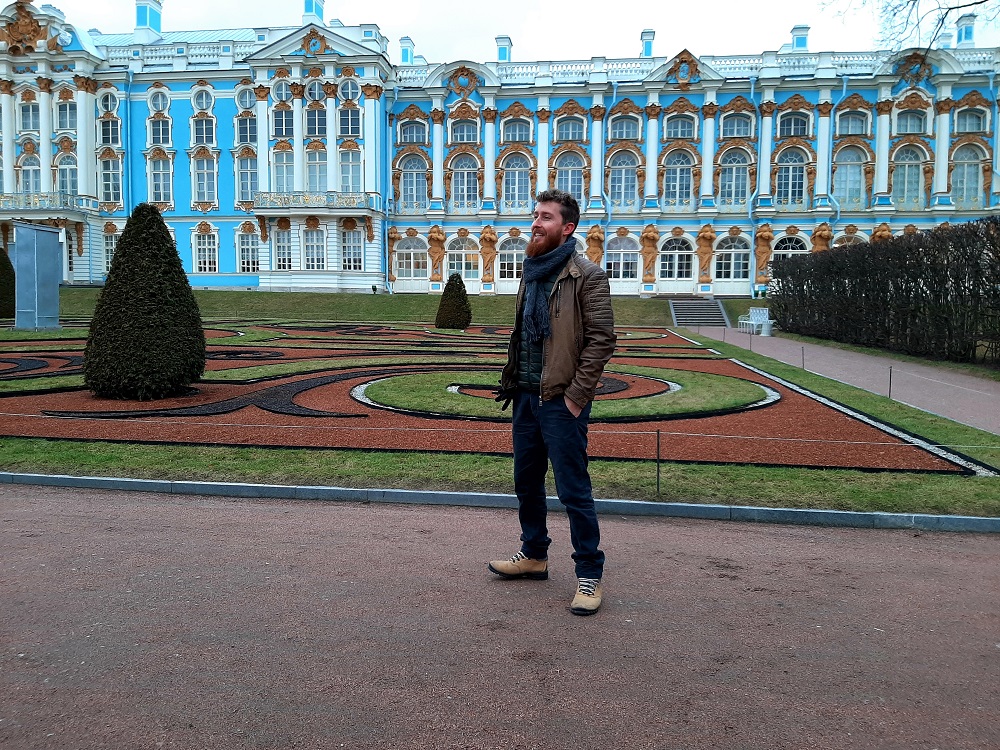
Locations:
(795, 103)
(413, 112)
(856, 101)
(517, 110)
(913, 100)
(683, 71)
(626, 107)
(309, 41)
(572, 107)
(463, 81)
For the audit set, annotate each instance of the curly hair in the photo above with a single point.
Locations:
(568, 206)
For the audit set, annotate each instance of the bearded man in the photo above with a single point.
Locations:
(562, 339)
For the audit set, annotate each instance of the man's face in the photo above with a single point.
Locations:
(547, 230)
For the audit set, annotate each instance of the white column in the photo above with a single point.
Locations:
(709, 112)
(544, 143)
(437, 154)
(298, 146)
(263, 153)
(369, 131)
(333, 153)
(823, 151)
(45, 133)
(85, 139)
(653, 110)
(9, 151)
(942, 140)
(597, 166)
(489, 156)
(882, 130)
(766, 140)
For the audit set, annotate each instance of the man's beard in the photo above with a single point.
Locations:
(541, 245)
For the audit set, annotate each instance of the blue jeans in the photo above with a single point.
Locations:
(546, 431)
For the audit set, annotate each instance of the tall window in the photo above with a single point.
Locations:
(160, 181)
(413, 132)
(848, 179)
(852, 123)
(30, 118)
(247, 168)
(907, 188)
(204, 180)
(159, 132)
(732, 258)
(790, 189)
(316, 171)
(623, 258)
(624, 128)
(315, 250)
(734, 178)
(249, 253)
(464, 131)
(677, 259)
(624, 181)
(516, 131)
(282, 250)
(66, 116)
(284, 174)
(793, 124)
(111, 181)
(679, 126)
(413, 183)
(677, 183)
(736, 126)
(67, 175)
(411, 258)
(110, 132)
(463, 258)
(970, 121)
(110, 246)
(284, 120)
(911, 122)
(352, 249)
(510, 258)
(316, 122)
(31, 175)
(465, 183)
(204, 131)
(350, 123)
(570, 129)
(569, 175)
(206, 247)
(246, 130)
(350, 171)
(516, 183)
(967, 178)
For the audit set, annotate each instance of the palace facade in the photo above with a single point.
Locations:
(303, 159)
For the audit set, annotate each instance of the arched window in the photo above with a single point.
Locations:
(411, 258)
(793, 124)
(736, 126)
(677, 183)
(967, 178)
(852, 123)
(734, 178)
(622, 258)
(516, 183)
(67, 175)
(161, 181)
(413, 132)
(569, 175)
(510, 258)
(848, 178)
(911, 121)
(516, 131)
(284, 174)
(679, 126)
(246, 167)
(732, 258)
(677, 259)
(790, 188)
(570, 129)
(413, 183)
(463, 258)
(624, 128)
(970, 121)
(624, 181)
(316, 171)
(907, 187)
(465, 183)
(350, 171)
(464, 131)
(787, 246)
(31, 175)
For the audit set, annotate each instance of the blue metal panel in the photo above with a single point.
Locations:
(37, 259)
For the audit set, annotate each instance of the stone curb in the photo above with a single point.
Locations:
(852, 519)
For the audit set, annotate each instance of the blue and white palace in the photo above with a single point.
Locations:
(303, 159)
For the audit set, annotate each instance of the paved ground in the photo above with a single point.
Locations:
(962, 398)
(133, 620)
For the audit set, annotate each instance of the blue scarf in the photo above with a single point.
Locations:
(536, 271)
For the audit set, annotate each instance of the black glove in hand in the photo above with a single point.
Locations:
(504, 397)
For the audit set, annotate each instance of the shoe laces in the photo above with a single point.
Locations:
(517, 557)
(588, 586)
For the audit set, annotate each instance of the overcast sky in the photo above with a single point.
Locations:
(449, 30)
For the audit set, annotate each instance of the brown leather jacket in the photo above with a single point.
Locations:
(583, 333)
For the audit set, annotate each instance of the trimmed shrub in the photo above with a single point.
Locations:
(146, 340)
(454, 310)
(6, 285)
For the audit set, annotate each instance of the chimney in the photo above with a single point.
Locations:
(406, 46)
(966, 31)
(800, 39)
(148, 15)
(647, 43)
(312, 12)
(945, 39)
(503, 49)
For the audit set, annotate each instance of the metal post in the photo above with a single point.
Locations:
(890, 381)
(657, 463)
(803, 358)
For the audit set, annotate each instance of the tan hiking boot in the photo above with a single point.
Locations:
(521, 566)
(588, 597)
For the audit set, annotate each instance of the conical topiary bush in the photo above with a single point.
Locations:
(146, 340)
(454, 310)
(6, 285)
